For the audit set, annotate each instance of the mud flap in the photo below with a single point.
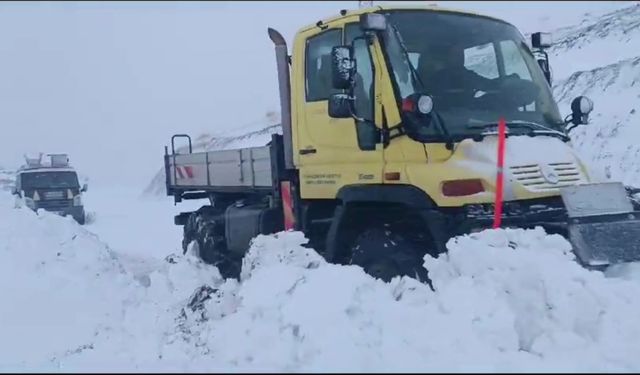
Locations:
(603, 227)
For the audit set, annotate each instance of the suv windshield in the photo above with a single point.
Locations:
(49, 180)
(475, 68)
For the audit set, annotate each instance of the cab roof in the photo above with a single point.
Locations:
(377, 8)
(45, 169)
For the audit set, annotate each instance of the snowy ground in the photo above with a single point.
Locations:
(134, 224)
(503, 301)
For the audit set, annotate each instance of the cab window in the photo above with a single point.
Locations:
(318, 64)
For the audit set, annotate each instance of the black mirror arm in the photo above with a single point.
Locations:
(570, 128)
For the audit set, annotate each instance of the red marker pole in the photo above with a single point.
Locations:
(502, 127)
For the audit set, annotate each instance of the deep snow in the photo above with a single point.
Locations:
(506, 300)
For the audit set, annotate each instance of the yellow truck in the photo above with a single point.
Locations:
(389, 147)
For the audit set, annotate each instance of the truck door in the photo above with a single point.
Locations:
(329, 155)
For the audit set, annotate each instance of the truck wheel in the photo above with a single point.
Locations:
(81, 219)
(385, 251)
(188, 232)
(191, 226)
(212, 247)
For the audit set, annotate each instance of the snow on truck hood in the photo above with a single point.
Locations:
(505, 300)
(519, 150)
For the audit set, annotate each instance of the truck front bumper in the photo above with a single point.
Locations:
(597, 240)
(77, 212)
(547, 213)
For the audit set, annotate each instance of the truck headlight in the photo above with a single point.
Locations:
(29, 202)
(77, 200)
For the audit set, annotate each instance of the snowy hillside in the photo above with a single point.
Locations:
(7, 179)
(596, 41)
(498, 305)
(600, 58)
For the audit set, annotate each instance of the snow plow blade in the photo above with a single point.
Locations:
(603, 228)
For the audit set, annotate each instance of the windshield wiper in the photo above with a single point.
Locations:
(533, 126)
(403, 47)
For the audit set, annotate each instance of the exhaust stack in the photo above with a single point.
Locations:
(282, 60)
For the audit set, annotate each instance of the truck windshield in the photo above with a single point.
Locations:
(476, 69)
(49, 180)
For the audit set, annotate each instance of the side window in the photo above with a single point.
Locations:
(482, 60)
(363, 90)
(318, 64)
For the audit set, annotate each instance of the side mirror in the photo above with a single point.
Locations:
(541, 40)
(373, 22)
(340, 106)
(580, 109)
(342, 67)
(368, 135)
(85, 187)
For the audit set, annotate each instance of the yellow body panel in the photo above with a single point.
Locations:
(339, 162)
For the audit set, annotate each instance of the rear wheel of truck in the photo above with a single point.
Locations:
(206, 229)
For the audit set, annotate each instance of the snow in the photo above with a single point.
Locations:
(504, 300)
(596, 42)
(136, 224)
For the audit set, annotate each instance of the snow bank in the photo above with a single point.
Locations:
(505, 300)
(508, 300)
(70, 303)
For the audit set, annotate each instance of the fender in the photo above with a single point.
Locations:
(407, 195)
(402, 194)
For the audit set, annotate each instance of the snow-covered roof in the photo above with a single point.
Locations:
(46, 169)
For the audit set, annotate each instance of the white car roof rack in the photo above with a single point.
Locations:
(55, 161)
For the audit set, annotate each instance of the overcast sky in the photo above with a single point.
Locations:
(109, 82)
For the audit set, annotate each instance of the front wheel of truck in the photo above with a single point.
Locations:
(385, 251)
(81, 219)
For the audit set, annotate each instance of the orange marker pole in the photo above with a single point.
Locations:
(502, 128)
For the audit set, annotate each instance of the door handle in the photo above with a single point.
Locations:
(307, 151)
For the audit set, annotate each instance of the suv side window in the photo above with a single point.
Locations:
(318, 64)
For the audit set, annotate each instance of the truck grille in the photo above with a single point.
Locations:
(59, 194)
(51, 205)
(556, 175)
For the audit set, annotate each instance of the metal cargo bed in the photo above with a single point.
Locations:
(236, 170)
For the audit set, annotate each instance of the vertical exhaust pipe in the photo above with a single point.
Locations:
(282, 60)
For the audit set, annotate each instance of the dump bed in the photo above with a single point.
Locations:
(225, 170)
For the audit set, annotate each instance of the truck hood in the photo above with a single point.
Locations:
(519, 151)
(532, 165)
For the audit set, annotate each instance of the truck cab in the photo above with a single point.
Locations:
(52, 187)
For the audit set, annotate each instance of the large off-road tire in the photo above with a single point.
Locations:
(386, 250)
(81, 219)
(206, 229)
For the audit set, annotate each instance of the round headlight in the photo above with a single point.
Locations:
(425, 104)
